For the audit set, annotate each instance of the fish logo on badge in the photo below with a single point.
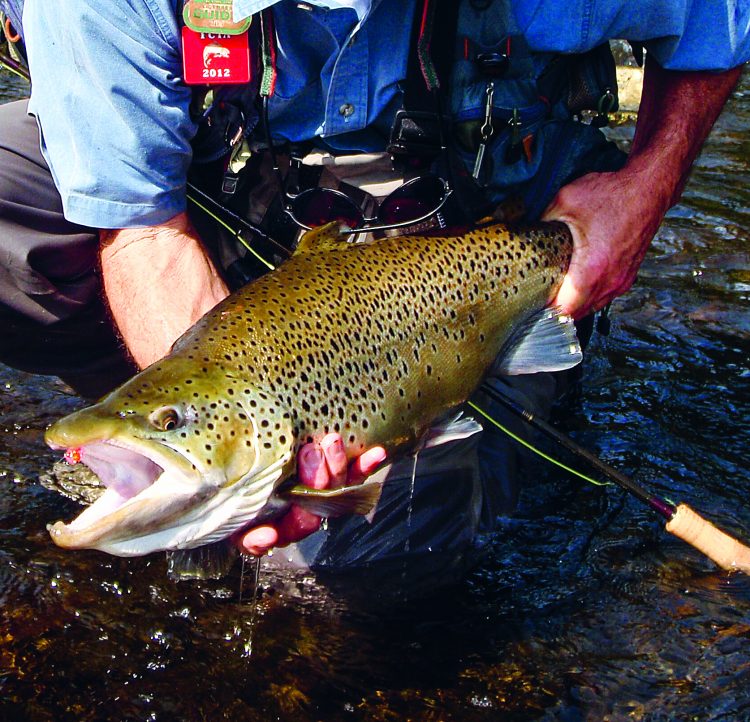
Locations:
(213, 52)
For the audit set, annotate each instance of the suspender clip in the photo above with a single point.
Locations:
(415, 133)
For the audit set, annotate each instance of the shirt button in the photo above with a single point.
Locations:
(346, 109)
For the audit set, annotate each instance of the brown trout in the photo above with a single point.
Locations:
(375, 341)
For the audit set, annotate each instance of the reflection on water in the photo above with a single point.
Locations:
(584, 609)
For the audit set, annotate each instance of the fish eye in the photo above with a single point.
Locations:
(166, 418)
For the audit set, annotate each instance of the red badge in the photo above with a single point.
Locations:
(213, 58)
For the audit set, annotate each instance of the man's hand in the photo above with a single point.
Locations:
(158, 282)
(610, 237)
(614, 216)
(319, 466)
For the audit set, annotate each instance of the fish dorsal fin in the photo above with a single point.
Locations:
(547, 341)
(322, 238)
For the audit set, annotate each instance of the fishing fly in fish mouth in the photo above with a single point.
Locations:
(374, 341)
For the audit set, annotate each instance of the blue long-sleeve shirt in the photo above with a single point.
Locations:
(113, 108)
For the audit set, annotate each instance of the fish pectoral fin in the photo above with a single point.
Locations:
(547, 341)
(323, 238)
(210, 561)
(360, 499)
(458, 425)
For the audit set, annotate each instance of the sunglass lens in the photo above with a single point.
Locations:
(319, 206)
(415, 199)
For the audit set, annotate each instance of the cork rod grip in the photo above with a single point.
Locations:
(718, 546)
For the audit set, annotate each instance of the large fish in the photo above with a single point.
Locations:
(375, 341)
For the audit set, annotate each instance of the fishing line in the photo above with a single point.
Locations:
(255, 230)
(237, 234)
(723, 549)
(16, 68)
(533, 448)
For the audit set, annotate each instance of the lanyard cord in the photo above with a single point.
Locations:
(268, 86)
(424, 39)
(422, 87)
(267, 54)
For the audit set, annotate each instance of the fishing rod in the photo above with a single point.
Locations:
(723, 549)
(9, 64)
(247, 225)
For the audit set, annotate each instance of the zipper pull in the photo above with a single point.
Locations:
(485, 131)
(238, 157)
(515, 149)
(604, 107)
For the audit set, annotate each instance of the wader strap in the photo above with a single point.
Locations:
(418, 127)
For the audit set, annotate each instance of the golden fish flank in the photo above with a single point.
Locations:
(374, 341)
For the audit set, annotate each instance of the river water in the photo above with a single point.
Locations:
(584, 609)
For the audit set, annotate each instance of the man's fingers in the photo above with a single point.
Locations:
(318, 466)
(259, 540)
(571, 299)
(296, 524)
(311, 467)
(365, 464)
(335, 456)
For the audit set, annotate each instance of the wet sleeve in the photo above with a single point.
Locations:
(681, 34)
(111, 106)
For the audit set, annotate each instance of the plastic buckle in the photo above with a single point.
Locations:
(229, 183)
(492, 64)
(415, 133)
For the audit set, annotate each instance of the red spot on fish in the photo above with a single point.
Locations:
(72, 456)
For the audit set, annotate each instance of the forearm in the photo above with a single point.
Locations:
(614, 216)
(677, 112)
(158, 282)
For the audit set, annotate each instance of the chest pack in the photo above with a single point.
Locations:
(517, 115)
(509, 116)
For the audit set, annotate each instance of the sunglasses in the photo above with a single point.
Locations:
(416, 201)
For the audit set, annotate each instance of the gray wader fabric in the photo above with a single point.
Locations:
(52, 315)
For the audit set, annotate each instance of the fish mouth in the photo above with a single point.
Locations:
(157, 499)
(147, 491)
